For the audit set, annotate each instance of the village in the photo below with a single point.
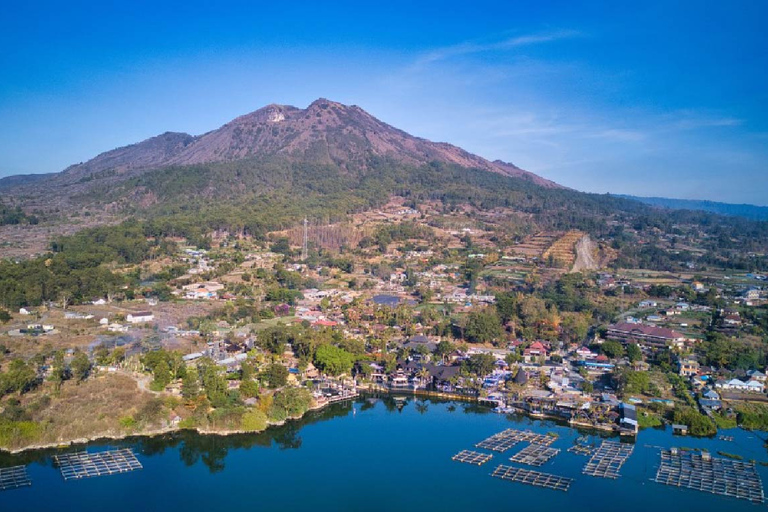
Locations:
(531, 325)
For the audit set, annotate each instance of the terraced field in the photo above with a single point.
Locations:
(563, 249)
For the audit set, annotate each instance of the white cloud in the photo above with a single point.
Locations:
(470, 47)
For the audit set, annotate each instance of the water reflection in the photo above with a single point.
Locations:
(211, 450)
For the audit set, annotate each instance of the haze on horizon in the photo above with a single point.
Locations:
(651, 99)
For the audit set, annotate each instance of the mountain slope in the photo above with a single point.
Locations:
(325, 132)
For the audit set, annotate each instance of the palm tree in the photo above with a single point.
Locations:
(423, 374)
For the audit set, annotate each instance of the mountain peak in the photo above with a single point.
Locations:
(325, 132)
(272, 113)
(324, 103)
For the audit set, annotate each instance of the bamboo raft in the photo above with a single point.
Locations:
(534, 438)
(14, 477)
(704, 473)
(500, 442)
(534, 455)
(505, 440)
(580, 449)
(470, 457)
(530, 477)
(608, 459)
(74, 466)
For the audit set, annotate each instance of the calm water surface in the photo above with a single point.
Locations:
(371, 455)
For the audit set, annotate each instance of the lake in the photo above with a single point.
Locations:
(372, 455)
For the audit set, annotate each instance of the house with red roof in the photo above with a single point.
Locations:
(534, 352)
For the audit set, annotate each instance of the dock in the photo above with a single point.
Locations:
(497, 444)
(470, 457)
(74, 466)
(14, 477)
(534, 455)
(530, 477)
(506, 439)
(608, 459)
(534, 438)
(702, 472)
(580, 449)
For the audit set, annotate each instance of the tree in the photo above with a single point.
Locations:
(423, 374)
(333, 360)
(276, 375)
(20, 377)
(282, 246)
(444, 349)
(612, 349)
(162, 374)
(506, 306)
(575, 326)
(81, 366)
(4, 316)
(59, 372)
(630, 381)
(190, 385)
(214, 384)
(249, 388)
(480, 364)
(290, 403)
(273, 339)
(118, 355)
(698, 424)
(634, 353)
(483, 327)
(512, 358)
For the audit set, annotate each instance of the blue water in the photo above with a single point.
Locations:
(373, 456)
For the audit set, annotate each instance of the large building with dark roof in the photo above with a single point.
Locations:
(647, 335)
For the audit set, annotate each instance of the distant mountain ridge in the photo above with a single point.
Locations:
(748, 211)
(23, 179)
(324, 132)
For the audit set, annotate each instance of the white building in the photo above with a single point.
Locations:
(140, 318)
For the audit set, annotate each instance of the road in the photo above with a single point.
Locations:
(585, 260)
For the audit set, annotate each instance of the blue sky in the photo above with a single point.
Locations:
(646, 98)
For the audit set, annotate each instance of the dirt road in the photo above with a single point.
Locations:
(585, 255)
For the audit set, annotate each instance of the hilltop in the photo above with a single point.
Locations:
(326, 132)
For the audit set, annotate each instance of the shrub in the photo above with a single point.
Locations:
(254, 421)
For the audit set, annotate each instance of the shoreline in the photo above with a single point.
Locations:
(373, 390)
(158, 432)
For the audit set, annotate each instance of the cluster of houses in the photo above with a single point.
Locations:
(201, 291)
(753, 382)
(198, 261)
(711, 386)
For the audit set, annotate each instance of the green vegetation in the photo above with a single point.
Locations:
(254, 421)
(730, 455)
(290, 403)
(649, 419)
(752, 416)
(13, 216)
(484, 326)
(165, 367)
(333, 360)
(698, 424)
(77, 268)
(479, 364)
(276, 375)
(724, 422)
(253, 196)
